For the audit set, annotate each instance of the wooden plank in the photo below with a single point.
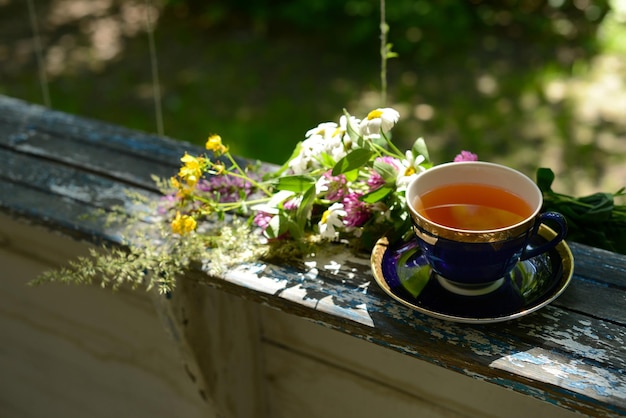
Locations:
(131, 157)
(396, 372)
(305, 388)
(216, 334)
(221, 333)
(63, 215)
(66, 181)
(65, 197)
(598, 288)
(22, 121)
(69, 210)
(597, 300)
(81, 351)
(127, 168)
(600, 265)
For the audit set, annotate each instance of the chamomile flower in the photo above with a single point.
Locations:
(379, 121)
(332, 222)
(328, 141)
(412, 166)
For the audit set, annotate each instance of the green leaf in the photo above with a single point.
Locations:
(420, 148)
(277, 226)
(304, 210)
(389, 53)
(601, 206)
(327, 160)
(545, 177)
(352, 175)
(297, 184)
(353, 161)
(386, 171)
(377, 195)
(295, 231)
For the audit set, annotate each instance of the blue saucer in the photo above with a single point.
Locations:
(402, 272)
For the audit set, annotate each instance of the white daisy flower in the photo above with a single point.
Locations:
(379, 121)
(332, 219)
(411, 164)
(324, 130)
(326, 138)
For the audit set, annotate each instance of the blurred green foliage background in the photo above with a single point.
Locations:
(527, 83)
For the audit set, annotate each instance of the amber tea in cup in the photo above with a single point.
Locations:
(471, 206)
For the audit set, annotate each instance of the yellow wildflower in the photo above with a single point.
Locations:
(183, 224)
(214, 143)
(192, 170)
(182, 189)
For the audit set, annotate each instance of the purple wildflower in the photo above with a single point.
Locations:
(357, 212)
(376, 180)
(262, 220)
(226, 188)
(292, 204)
(166, 203)
(466, 156)
(336, 185)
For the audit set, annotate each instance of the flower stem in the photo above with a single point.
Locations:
(383, 55)
(229, 206)
(242, 175)
(393, 147)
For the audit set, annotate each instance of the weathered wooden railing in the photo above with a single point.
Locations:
(234, 355)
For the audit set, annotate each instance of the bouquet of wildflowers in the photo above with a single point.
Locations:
(344, 182)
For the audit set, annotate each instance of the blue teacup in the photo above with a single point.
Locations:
(471, 261)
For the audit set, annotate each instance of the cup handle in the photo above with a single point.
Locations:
(559, 220)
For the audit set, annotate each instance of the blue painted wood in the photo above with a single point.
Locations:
(56, 167)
